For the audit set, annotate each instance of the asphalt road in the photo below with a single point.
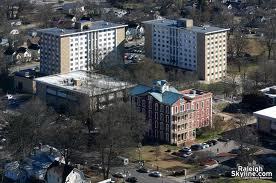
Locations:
(143, 177)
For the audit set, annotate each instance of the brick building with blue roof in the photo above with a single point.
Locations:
(173, 115)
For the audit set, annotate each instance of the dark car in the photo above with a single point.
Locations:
(132, 179)
(196, 147)
(212, 142)
(119, 175)
(222, 139)
(155, 174)
(143, 170)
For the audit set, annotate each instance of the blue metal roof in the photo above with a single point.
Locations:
(168, 97)
(139, 89)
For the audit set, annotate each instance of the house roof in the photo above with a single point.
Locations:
(21, 50)
(268, 113)
(9, 51)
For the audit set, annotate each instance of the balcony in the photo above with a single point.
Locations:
(180, 114)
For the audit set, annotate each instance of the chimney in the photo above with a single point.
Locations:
(184, 22)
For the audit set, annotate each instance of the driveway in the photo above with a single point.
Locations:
(221, 147)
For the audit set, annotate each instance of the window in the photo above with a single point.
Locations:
(176, 109)
(143, 103)
(156, 107)
(188, 106)
(156, 116)
(202, 104)
(167, 109)
(150, 114)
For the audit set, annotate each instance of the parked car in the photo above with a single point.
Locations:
(132, 179)
(196, 147)
(214, 141)
(211, 142)
(205, 145)
(187, 154)
(222, 139)
(119, 175)
(179, 173)
(155, 174)
(185, 149)
(143, 170)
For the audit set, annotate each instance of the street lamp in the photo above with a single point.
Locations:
(139, 149)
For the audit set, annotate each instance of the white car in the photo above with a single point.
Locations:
(187, 154)
(204, 145)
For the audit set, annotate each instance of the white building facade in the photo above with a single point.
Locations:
(180, 44)
(82, 48)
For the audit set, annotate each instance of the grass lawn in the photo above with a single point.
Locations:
(208, 136)
(255, 47)
(165, 160)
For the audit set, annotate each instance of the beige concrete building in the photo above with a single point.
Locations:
(266, 120)
(179, 43)
(24, 81)
(82, 47)
(77, 90)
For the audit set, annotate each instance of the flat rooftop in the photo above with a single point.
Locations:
(268, 113)
(84, 82)
(95, 26)
(173, 23)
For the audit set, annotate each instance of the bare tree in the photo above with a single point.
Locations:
(239, 43)
(244, 135)
(26, 126)
(270, 34)
(120, 127)
(65, 134)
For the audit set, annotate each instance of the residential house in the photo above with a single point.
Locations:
(71, 8)
(33, 47)
(173, 115)
(61, 173)
(4, 42)
(23, 54)
(14, 172)
(34, 166)
(266, 120)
